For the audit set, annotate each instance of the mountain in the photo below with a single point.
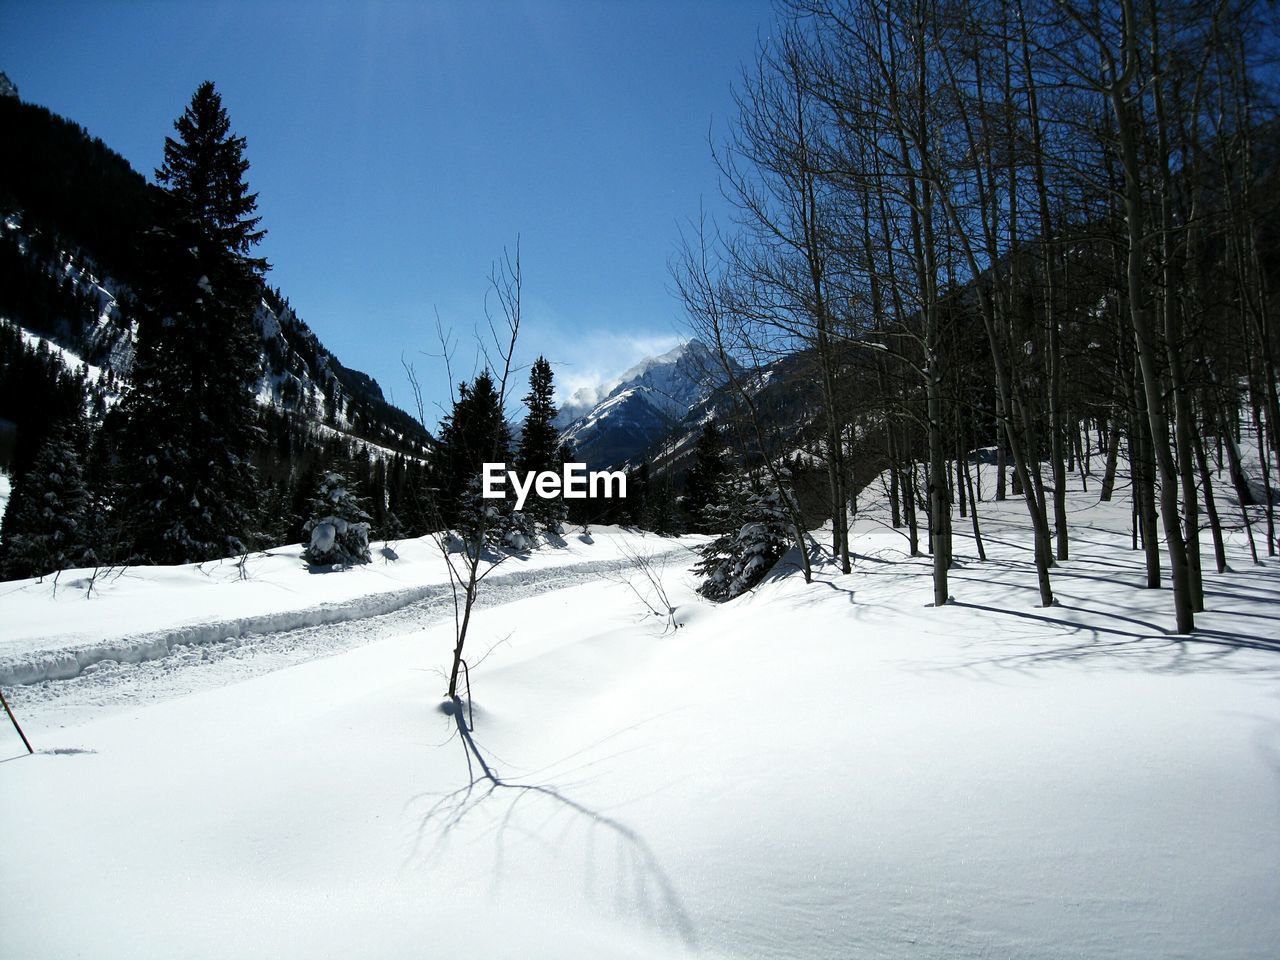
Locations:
(72, 212)
(621, 421)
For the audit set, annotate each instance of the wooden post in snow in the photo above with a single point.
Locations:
(14, 720)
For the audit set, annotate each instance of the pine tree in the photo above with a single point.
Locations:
(277, 515)
(337, 528)
(415, 506)
(377, 490)
(756, 532)
(102, 519)
(190, 490)
(45, 525)
(474, 433)
(637, 510)
(664, 518)
(539, 448)
(709, 469)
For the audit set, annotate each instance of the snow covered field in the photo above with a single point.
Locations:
(59, 628)
(825, 771)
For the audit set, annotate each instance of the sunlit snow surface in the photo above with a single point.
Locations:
(830, 771)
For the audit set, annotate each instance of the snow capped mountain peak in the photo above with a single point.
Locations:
(620, 419)
(671, 374)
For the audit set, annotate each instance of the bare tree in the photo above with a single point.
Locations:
(720, 315)
(468, 555)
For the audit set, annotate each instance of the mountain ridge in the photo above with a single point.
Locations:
(621, 421)
(73, 211)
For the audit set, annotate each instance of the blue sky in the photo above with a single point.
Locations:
(397, 148)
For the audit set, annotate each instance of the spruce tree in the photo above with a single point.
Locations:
(637, 511)
(377, 491)
(756, 532)
(416, 506)
(277, 514)
(664, 517)
(474, 433)
(539, 448)
(337, 527)
(709, 469)
(190, 491)
(45, 527)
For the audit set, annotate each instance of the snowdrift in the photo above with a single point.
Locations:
(57, 630)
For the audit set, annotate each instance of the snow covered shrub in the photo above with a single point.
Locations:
(494, 522)
(758, 533)
(519, 530)
(338, 526)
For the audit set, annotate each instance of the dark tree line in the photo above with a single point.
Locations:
(186, 465)
(72, 185)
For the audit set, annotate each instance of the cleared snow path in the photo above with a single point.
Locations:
(80, 683)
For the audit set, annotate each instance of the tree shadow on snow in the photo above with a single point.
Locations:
(486, 788)
(1149, 646)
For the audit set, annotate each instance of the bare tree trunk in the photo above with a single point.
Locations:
(1183, 422)
(909, 509)
(973, 513)
(1211, 508)
(1236, 473)
(1127, 134)
(1002, 466)
(1050, 312)
(1113, 456)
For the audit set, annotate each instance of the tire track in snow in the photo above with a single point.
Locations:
(70, 686)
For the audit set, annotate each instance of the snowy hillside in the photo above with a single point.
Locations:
(74, 276)
(620, 420)
(831, 770)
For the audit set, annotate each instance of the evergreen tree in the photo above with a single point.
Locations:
(709, 469)
(636, 508)
(663, 514)
(757, 531)
(377, 490)
(303, 483)
(474, 433)
(190, 491)
(36, 394)
(103, 521)
(539, 448)
(44, 527)
(277, 514)
(415, 506)
(337, 528)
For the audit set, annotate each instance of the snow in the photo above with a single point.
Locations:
(667, 367)
(6, 488)
(325, 535)
(811, 771)
(665, 387)
(55, 629)
(69, 359)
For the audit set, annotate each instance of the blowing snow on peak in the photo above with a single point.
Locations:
(620, 420)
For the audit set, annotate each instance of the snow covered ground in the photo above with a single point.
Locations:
(57, 628)
(831, 770)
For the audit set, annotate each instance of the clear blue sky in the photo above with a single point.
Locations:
(397, 147)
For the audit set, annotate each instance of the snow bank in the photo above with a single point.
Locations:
(144, 613)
